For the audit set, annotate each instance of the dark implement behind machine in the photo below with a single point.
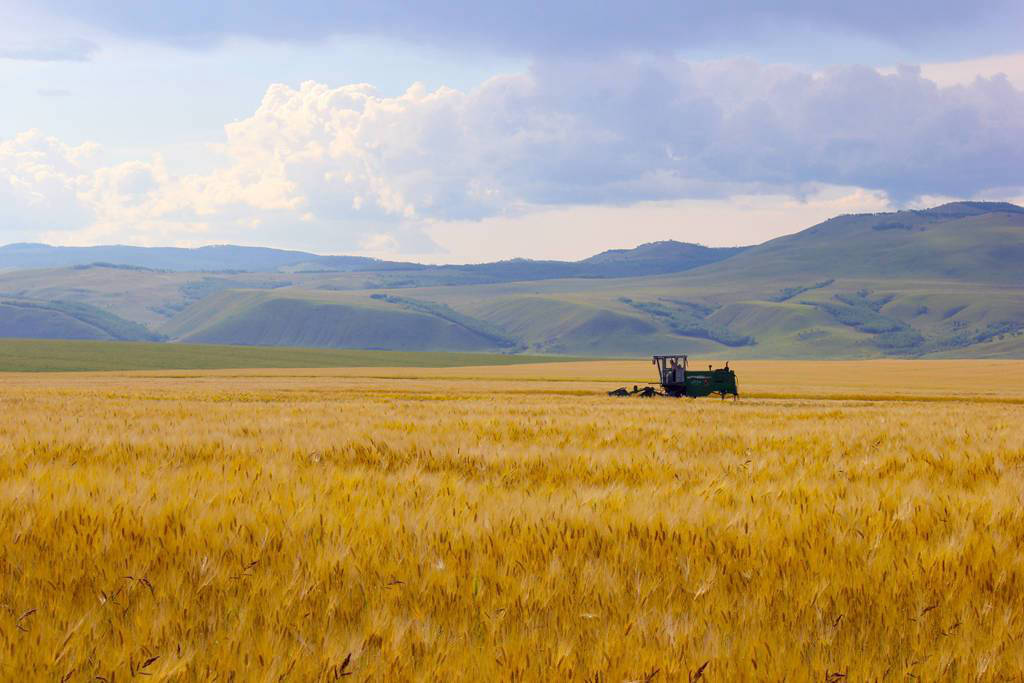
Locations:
(678, 380)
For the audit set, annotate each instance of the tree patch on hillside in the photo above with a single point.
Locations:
(990, 332)
(892, 225)
(688, 319)
(812, 334)
(117, 266)
(194, 290)
(866, 298)
(788, 293)
(200, 289)
(953, 311)
(861, 311)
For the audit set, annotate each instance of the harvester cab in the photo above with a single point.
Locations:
(677, 379)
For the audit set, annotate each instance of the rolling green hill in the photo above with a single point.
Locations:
(946, 281)
(961, 242)
(66, 320)
(308, 320)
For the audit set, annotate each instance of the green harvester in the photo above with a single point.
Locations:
(677, 379)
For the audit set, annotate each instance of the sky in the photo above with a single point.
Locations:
(472, 131)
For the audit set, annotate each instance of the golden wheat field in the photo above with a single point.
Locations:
(842, 521)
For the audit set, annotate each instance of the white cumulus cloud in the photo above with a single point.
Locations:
(41, 179)
(625, 131)
(367, 168)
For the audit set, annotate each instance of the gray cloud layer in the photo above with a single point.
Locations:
(940, 27)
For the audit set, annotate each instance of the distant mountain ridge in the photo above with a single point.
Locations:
(657, 257)
(962, 209)
(209, 258)
(942, 281)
